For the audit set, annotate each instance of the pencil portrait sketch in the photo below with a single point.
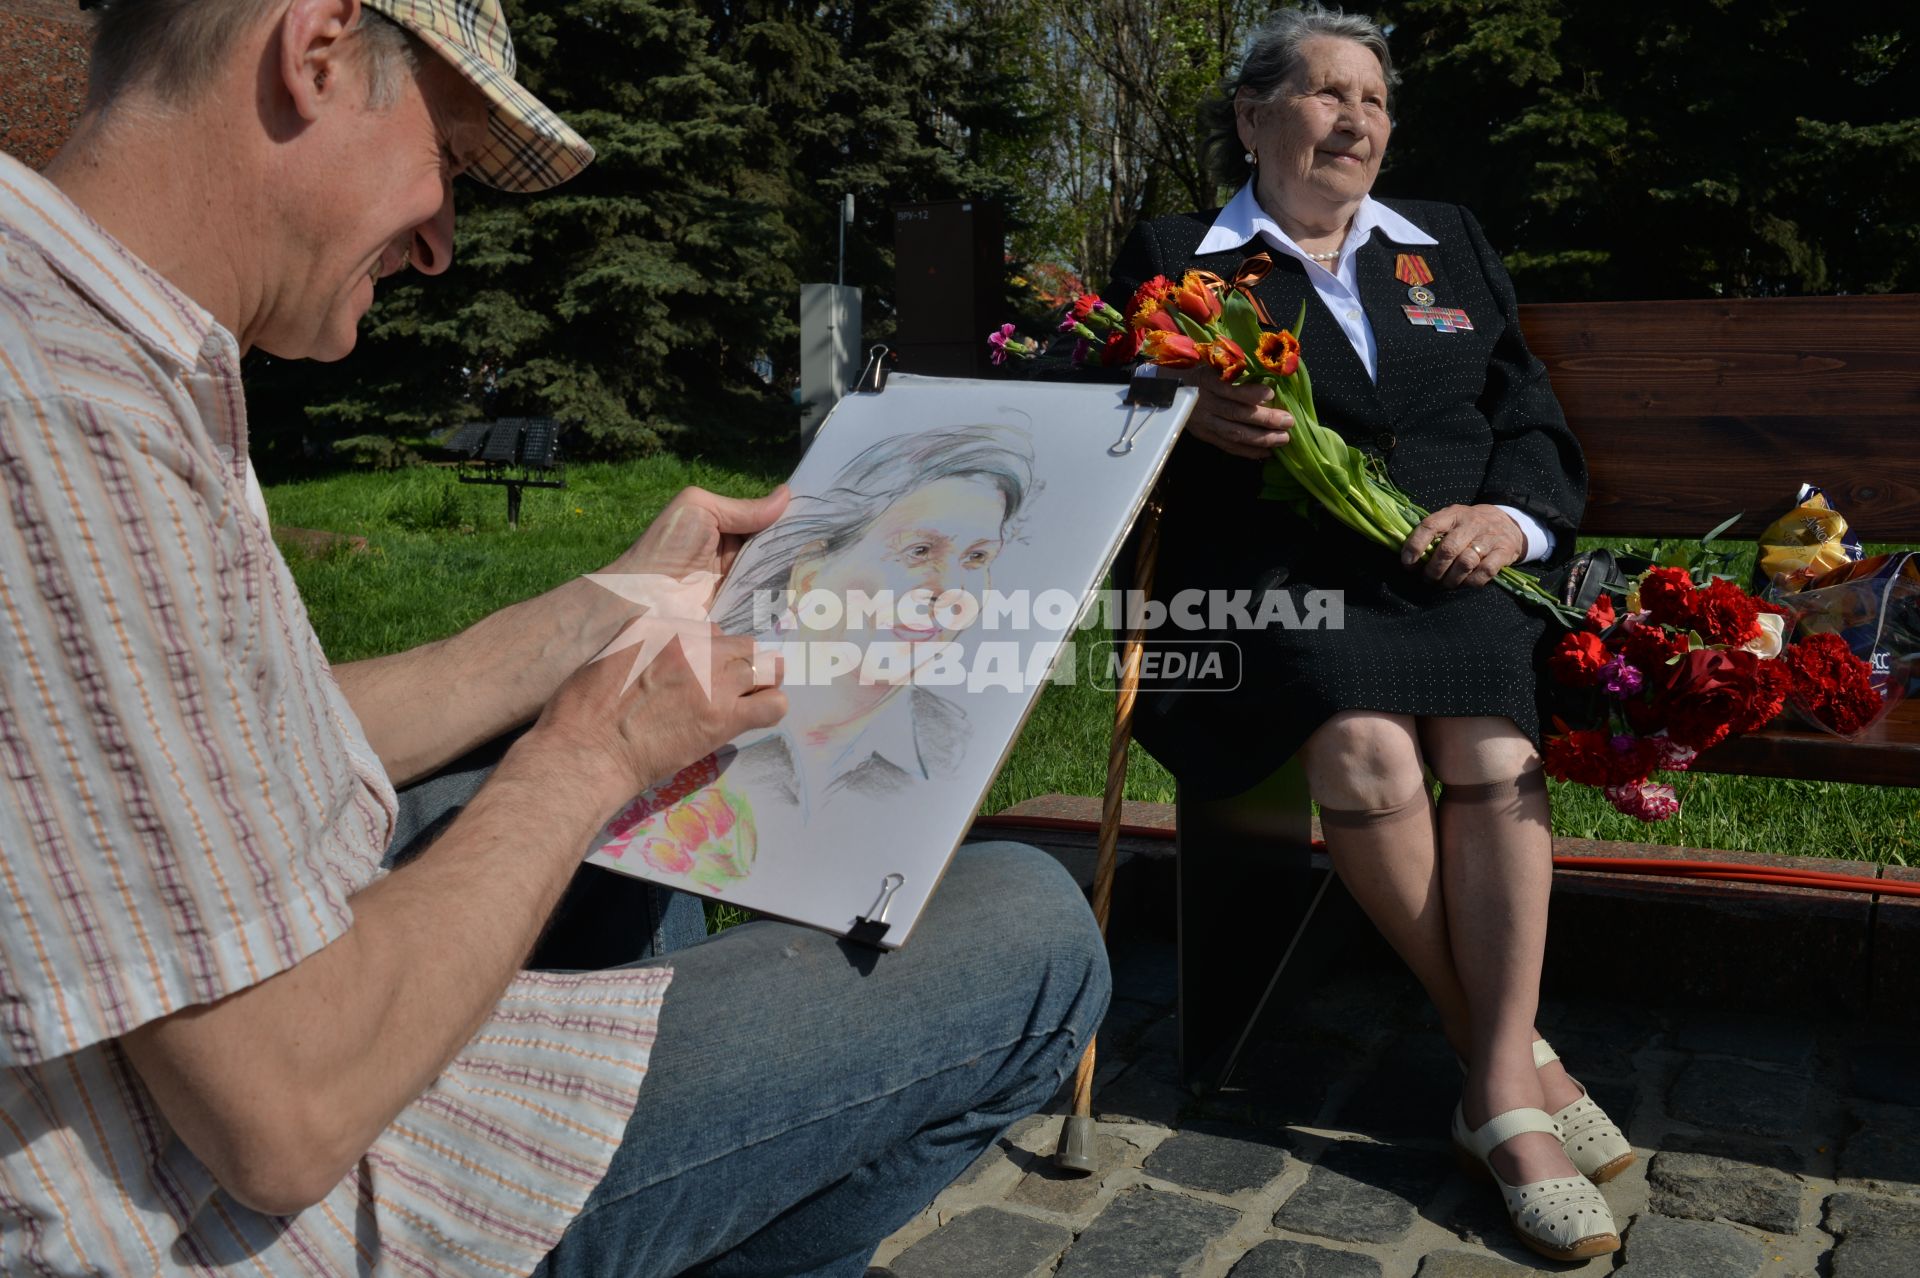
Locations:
(913, 521)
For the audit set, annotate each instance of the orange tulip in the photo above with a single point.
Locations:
(1200, 303)
(1225, 355)
(1279, 353)
(1170, 350)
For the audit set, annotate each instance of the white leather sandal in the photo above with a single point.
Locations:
(1563, 1218)
(1593, 1141)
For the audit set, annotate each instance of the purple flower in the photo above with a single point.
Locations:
(1620, 678)
(998, 340)
(1082, 351)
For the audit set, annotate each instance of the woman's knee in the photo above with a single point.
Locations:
(1362, 759)
(1482, 750)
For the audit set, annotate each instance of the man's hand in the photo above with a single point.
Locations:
(426, 706)
(699, 532)
(625, 738)
(1470, 545)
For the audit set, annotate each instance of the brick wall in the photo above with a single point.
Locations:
(43, 75)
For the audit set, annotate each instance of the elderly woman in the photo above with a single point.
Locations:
(1433, 671)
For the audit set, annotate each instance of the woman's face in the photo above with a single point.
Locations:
(938, 538)
(1322, 138)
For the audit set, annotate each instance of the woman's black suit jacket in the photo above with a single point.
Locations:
(1459, 417)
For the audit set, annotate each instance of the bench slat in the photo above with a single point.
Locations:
(1889, 754)
(1691, 411)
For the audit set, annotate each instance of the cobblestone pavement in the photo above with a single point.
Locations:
(1767, 1147)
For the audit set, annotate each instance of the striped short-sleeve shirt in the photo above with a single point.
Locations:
(187, 807)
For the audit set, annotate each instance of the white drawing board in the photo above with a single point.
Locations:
(943, 538)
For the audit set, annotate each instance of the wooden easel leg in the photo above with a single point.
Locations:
(1076, 1152)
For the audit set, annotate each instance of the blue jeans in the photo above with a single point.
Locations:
(807, 1096)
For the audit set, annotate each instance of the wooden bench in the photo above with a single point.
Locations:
(1689, 412)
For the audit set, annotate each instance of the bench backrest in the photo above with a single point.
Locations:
(1696, 410)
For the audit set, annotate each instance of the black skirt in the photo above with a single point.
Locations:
(1358, 632)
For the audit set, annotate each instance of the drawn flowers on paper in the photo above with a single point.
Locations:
(691, 827)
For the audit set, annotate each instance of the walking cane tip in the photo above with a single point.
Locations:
(1075, 1153)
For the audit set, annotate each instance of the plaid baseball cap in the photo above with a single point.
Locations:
(530, 148)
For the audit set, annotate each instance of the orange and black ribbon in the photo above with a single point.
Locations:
(1411, 268)
(1251, 272)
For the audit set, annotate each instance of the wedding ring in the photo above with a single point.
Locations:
(1479, 550)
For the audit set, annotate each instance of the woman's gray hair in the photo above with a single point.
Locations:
(877, 477)
(174, 47)
(1271, 58)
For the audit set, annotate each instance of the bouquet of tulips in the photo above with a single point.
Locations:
(1206, 321)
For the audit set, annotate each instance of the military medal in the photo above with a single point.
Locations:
(1412, 270)
(1442, 319)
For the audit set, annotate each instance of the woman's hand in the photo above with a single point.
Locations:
(1474, 543)
(1235, 419)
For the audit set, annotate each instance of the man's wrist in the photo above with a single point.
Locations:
(579, 774)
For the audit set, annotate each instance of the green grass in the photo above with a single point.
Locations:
(440, 557)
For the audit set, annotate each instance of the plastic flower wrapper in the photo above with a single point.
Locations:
(1870, 609)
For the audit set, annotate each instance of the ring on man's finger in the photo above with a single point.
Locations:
(1478, 549)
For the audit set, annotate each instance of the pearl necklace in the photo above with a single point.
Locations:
(1323, 257)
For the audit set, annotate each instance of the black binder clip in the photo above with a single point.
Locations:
(873, 378)
(1150, 393)
(871, 928)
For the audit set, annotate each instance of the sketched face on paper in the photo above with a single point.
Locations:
(937, 539)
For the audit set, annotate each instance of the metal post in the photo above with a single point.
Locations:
(846, 217)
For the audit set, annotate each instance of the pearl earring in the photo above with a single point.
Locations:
(1252, 159)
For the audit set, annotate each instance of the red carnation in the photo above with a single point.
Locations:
(1650, 647)
(1767, 684)
(1601, 615)
(1577, 659)
(1121, 347)
(1579, 756)
(1148, 309)
(1831, 684)
(1724, 613)
(1667, 595)
(1592, 757)
(1085, 305)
